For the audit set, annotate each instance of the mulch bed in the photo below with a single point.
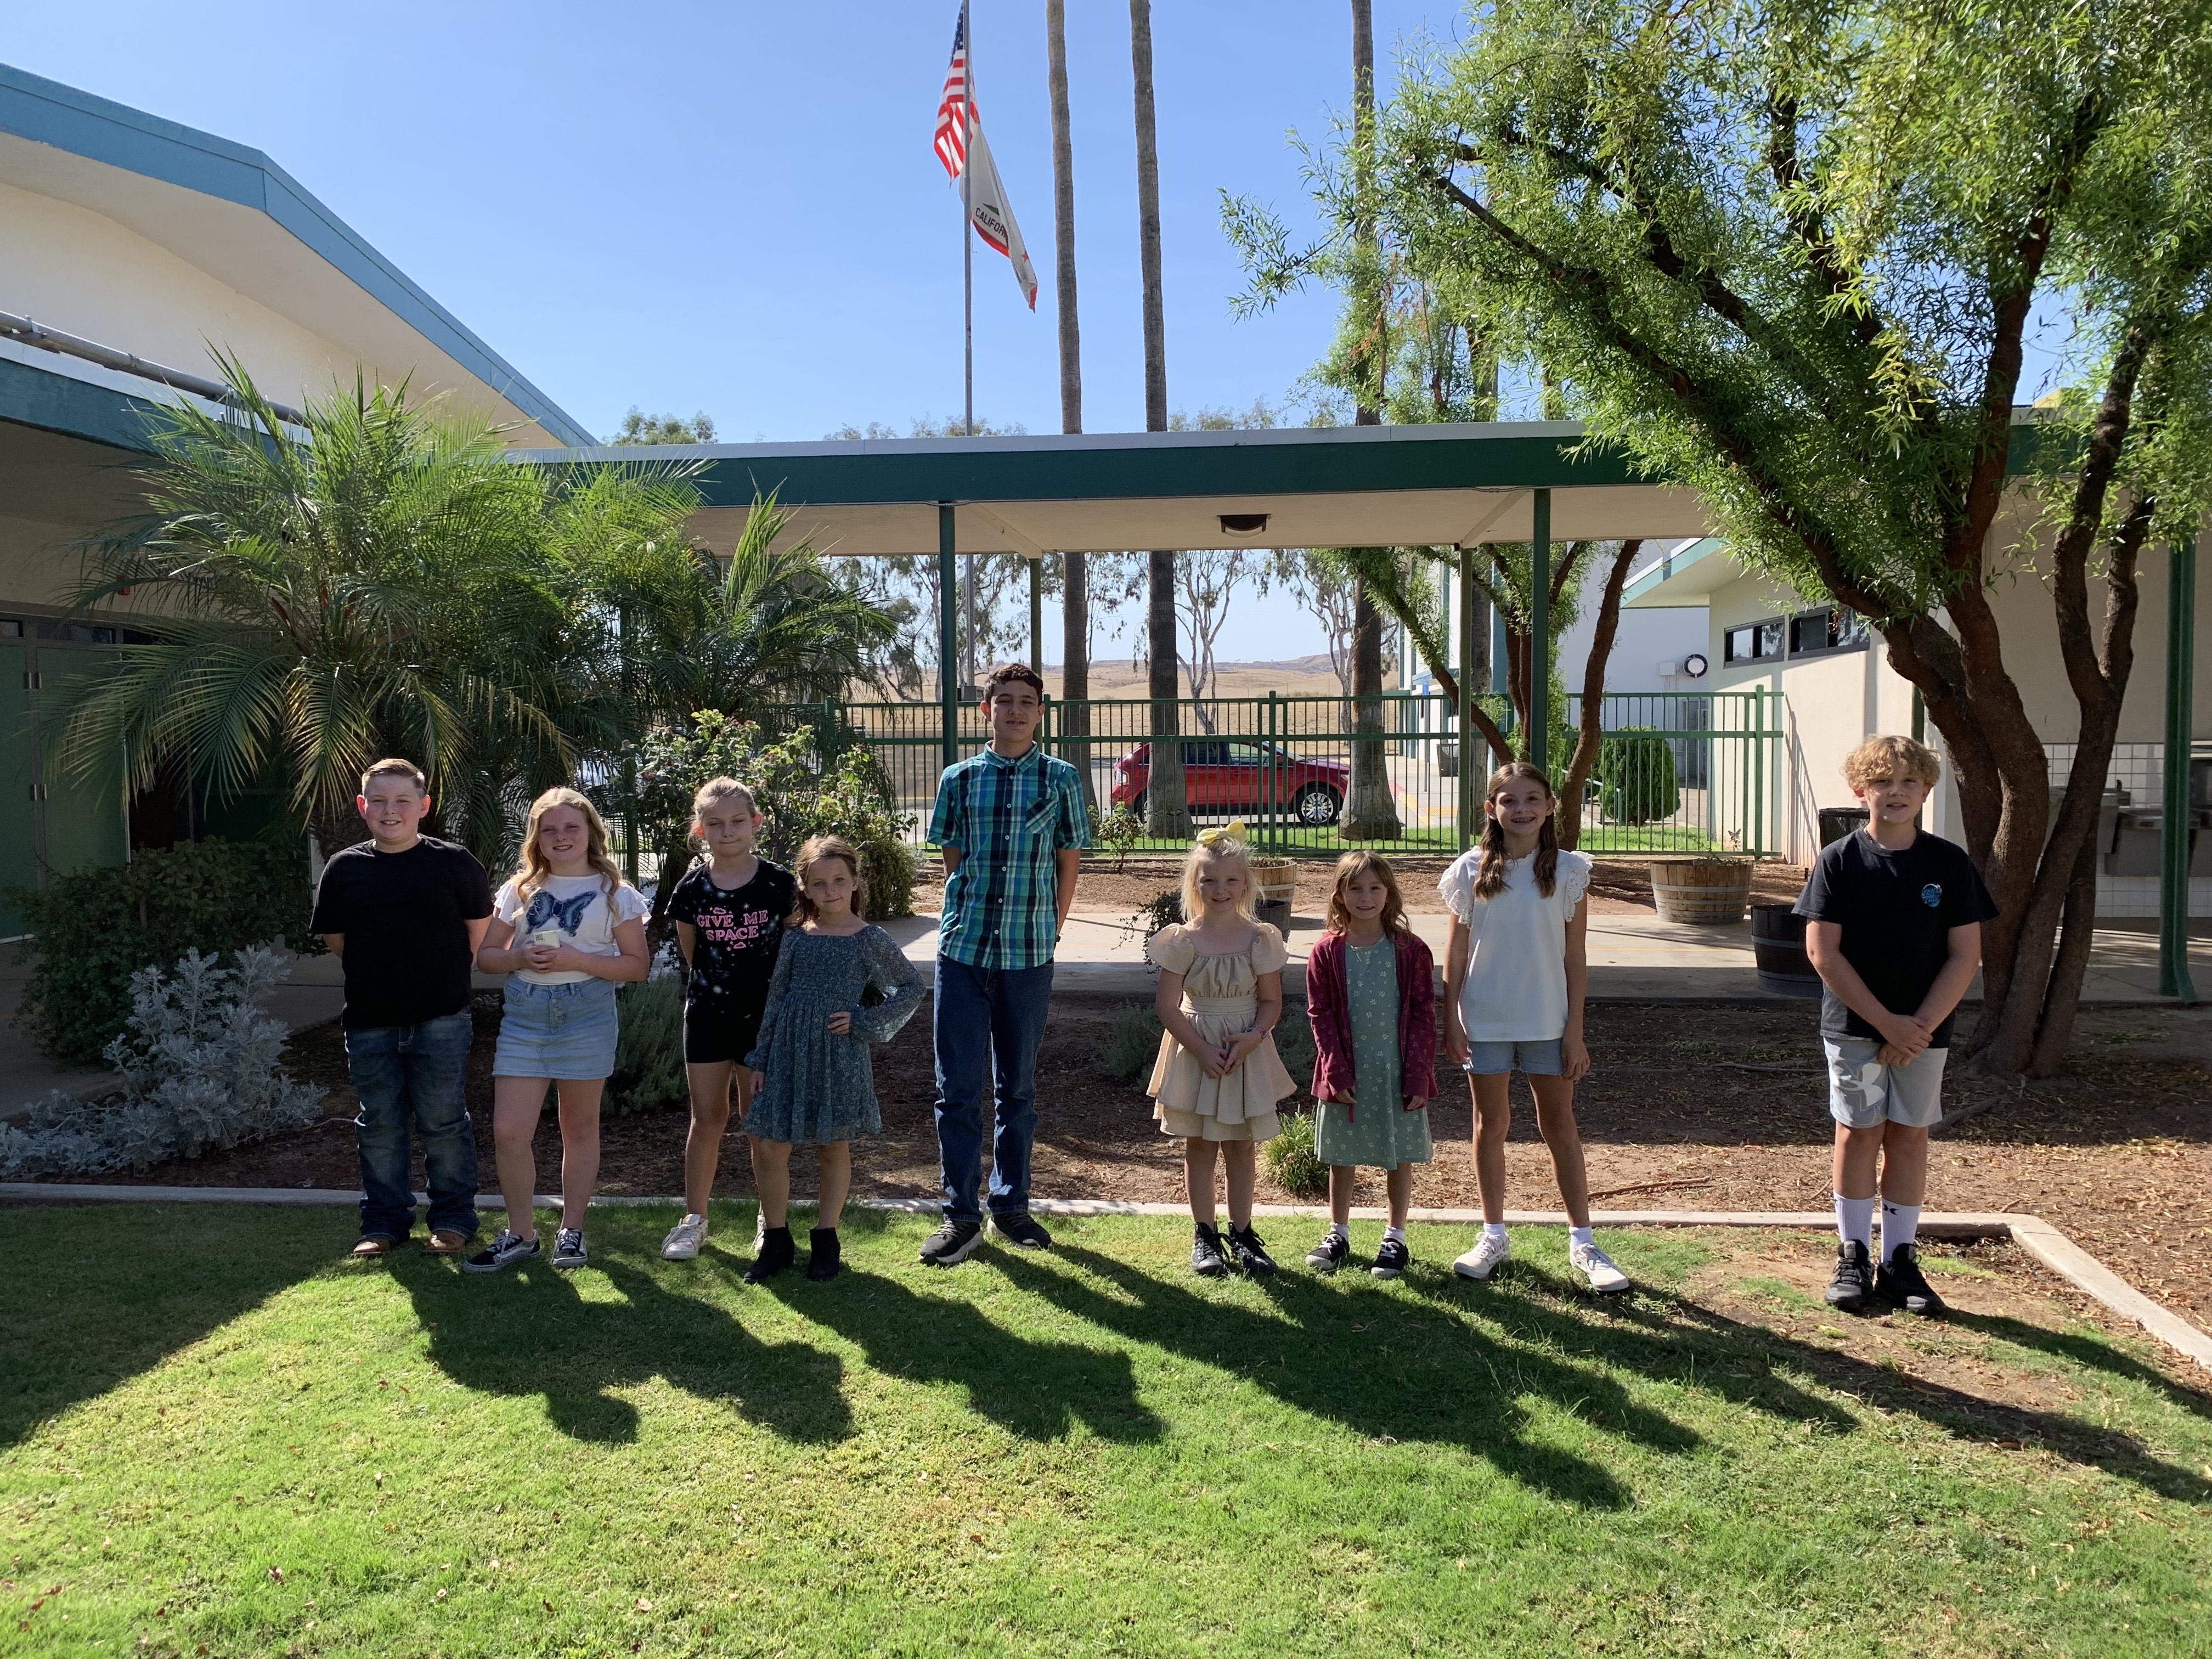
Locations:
(1691, 1107)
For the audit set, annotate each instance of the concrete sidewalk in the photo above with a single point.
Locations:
(1634, 957)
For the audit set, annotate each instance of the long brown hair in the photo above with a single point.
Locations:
(820, 850)
(532, 872)
(1349, 868)
(1489, 878)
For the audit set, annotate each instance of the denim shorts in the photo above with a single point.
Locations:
(1530, 1059)
(1863, 1092)
(565, 1031)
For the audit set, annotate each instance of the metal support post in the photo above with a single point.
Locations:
(2174, 838)
(1538, 744)
(948, 631)
(1467, 733)
(1037, 615)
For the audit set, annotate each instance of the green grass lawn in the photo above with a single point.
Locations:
(214, 1438)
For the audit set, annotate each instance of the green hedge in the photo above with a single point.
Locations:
(95, 928)
(648, 1074)
(1636, 767)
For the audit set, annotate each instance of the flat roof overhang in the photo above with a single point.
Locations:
(1439, 485)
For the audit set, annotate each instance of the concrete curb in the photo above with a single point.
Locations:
(2045, 1242)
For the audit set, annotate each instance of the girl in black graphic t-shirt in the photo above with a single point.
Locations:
(729, 911)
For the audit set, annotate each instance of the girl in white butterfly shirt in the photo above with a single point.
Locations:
(1515, 974)
(568, 928)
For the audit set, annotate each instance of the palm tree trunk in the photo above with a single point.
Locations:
(1166, 811)
(1074, 577)
(1371, 815)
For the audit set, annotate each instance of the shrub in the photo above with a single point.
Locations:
(1162, 911)
(1294, 1042)
(96, 929)
(1117, 832)
(1132, 1044)
(648, 1074)
(1636, 767)
(1293, 1163)
(198, 1070)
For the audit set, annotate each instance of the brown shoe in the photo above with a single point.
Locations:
(374, 1244)
(447, 1240)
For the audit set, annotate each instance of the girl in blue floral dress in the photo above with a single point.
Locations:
(840, 985)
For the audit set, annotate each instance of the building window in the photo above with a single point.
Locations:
(76, 633)
(1757, 641)
(1833, 629)
(10, 629)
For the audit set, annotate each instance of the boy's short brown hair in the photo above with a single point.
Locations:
(1879, 758)
(1015, 674)
(394, 766)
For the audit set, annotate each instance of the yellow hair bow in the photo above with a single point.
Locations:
(1232, 830)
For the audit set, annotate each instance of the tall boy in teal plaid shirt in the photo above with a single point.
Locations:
(1012, 825)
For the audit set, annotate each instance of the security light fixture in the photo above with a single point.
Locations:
(1242, 524)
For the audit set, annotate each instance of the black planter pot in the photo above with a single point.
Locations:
(1778, 946)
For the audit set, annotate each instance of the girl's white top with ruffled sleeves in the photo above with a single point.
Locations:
(1515, 989)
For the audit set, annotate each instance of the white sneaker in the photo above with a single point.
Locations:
(1491, 1252)
(685, 1239)
(1597, 1266)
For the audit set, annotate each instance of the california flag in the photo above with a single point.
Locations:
(987, 197)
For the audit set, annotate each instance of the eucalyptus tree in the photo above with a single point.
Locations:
(1789, 254)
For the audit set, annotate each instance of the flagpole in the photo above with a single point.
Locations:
(968, 294)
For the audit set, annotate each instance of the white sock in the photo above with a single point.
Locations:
(1855, 1220)
(1578, 1236)
(1339, 1229)
(1394, 1235)
(1493, 1230)
(1900, 1222)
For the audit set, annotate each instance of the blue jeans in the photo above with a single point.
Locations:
(986, 1026)
(411, 1075)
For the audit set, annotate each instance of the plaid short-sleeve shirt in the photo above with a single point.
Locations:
(1009, 818)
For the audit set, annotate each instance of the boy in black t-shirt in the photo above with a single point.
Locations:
(1894, 930)
(405, 912)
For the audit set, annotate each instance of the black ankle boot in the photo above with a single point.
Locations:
(776, 1253)
(825, 1255)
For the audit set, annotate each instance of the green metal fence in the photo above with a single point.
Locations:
(1685, 772)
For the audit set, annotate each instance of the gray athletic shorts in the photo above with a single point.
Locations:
(1862, 1092)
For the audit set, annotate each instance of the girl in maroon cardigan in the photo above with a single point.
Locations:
(1370, 994)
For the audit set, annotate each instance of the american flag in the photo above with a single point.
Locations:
(951, 130)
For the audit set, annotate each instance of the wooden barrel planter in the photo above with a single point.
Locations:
(1710, 891)
(1778, 946)
(1277, 882)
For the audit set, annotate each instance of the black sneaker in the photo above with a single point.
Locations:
(824, 1255)
(1022, 1228)
(952, 1243)
(1206, 1256)
(1330, 1254)
(775, 1254)
(1251, 1254)
(1900, 1281)
(568, 1249)
(1393, 1258)
(1848, 1290)
(503, 1251)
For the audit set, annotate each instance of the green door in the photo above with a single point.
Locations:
(19, 862)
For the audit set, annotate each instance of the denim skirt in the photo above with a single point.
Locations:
(564, 1031)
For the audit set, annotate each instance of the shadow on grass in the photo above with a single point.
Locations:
(2094, 1352)
(125, 1305)
(528, 1332)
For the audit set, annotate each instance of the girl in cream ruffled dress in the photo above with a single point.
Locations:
(1219, 1078)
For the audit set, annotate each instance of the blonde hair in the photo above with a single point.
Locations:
(1879, 758)
(820, 850)
(1349, 868)
(716, 789)
(392, 766)
(1490, 877)
(1221, 847)
(533, 872)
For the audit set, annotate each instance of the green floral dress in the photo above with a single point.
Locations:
(1376, 1132)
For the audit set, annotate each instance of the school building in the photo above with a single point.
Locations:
(130, 245)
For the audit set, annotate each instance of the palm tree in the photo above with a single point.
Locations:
(1166, 811)
(1074, 576)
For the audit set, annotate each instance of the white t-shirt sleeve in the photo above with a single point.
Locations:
(1573, 878)
(508, 904)
(1456, 887)
(630, 904)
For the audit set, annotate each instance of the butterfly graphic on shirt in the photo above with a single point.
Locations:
(567, 914)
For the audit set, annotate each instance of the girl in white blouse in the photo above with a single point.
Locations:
(1515, 975)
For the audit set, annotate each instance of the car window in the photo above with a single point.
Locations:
(1204, 754)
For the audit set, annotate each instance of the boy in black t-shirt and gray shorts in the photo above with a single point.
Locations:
(1894, 930)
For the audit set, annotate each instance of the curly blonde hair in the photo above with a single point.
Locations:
(533, 872)
(1205, 853)
(1880, 758)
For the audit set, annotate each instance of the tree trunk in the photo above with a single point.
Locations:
(1075, 593)
(1591, 735)
(1167, 811)
(1370, 814)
